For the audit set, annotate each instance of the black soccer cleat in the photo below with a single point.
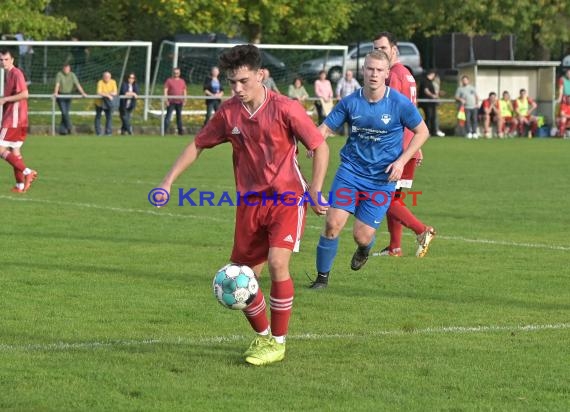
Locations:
(359, 258)
(320, 282)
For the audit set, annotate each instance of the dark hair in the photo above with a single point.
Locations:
(6, 51)
(129, 75)
(391, 38)
(298, 78)
(239, 56)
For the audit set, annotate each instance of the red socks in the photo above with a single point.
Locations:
(281, 304)
(255, 313)
(399, 215)
(15, 161)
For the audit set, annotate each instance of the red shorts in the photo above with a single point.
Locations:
(407, 174)
(565, 110)
(12, 134)
(262, 224)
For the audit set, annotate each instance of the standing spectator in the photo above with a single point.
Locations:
(428, 92)
(466, 96)
(13, 131)
(440, 93)
(107, 89)
(130, 91)
(347, 85)
(25, 57)
(214, 89)
(66, 82)
(509, 122)
(398, 214)
(260, 124)
(269, 82)
(527, 122)
(324, 93)
(79, 55)
(175, 86)
(564, 101)
(297, 90)
(491, 113)
(372, 161)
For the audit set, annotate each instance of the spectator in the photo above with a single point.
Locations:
(25, 57)
(79, 55)
(65, 83)
(428, 92)
(107, 89)
(130, 91)
(564, 101)
(214, 89)
(324, 92)
(269, 82)
(347, 85)
(466, 96)
(174, 86)
(491, 113)
(509, 122)
(297, 90)
(527, 122)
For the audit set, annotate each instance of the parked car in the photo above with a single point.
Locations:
(196, 62)
(408, 52)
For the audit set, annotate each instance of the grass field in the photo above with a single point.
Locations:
(107, 303)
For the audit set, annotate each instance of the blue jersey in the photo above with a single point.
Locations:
(376, 131)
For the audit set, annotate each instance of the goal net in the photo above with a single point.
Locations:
(42, 60)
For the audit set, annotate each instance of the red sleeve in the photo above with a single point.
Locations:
(20, 82)
(213, 133)
(303, 126)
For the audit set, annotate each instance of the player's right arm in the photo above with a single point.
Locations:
(186, 158)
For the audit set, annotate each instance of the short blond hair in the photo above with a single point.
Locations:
(378, 55)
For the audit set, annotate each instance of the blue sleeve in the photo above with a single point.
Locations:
(337, 116)
(411, 116)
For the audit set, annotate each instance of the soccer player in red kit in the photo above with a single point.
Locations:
(398, 214)
(263, 127)
(14, 105)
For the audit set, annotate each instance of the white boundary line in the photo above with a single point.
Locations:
(156, 212)
(69, 346)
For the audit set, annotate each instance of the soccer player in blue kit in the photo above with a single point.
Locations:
(372, 161)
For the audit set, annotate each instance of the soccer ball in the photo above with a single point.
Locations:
(235, 286)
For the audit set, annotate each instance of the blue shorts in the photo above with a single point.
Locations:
(368, 201)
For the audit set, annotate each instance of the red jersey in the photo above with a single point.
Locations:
(15, 114)
(175, 87)
(401, 79)
(487, 105)
(264, 143)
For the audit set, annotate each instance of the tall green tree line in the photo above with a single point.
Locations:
(540, 26)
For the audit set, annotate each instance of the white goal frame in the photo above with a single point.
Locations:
(128, 44)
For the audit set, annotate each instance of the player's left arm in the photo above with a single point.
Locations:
(320, 165)
(15, 98)
(412, 120)
(533, 105)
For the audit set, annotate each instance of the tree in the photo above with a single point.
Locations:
(30, 18)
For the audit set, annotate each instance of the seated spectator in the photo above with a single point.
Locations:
(347, 85)
(297, 90)
(323, 90)
(490, 113)
(269, 82)
(509, 126)
(524, 106)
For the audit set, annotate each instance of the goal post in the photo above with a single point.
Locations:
(42, 60)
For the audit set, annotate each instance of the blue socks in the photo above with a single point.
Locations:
(326, 252)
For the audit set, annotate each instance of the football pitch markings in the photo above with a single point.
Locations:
(162, 212)
(70, 346)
